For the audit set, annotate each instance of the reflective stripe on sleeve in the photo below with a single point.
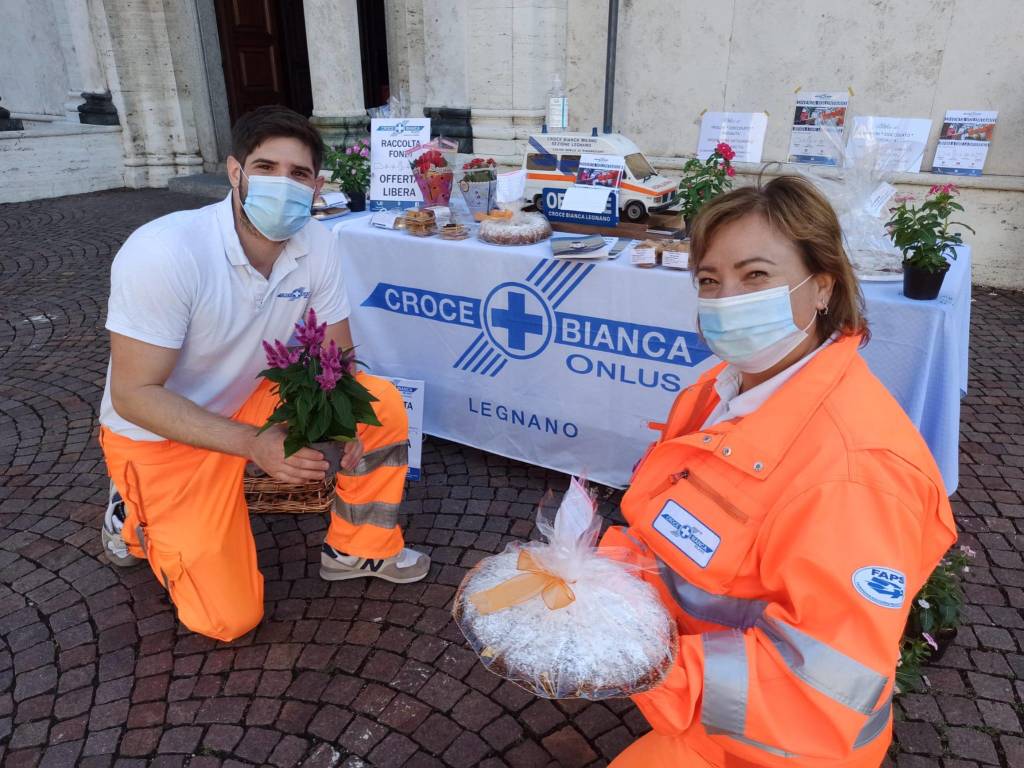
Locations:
(825, 669)
(394, 455)
(706, 606)
(724, 708)
(875, 724)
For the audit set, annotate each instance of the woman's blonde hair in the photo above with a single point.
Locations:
(795, 209)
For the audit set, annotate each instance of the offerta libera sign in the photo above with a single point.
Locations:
(392, 184)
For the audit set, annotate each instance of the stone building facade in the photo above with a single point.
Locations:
(481, 70)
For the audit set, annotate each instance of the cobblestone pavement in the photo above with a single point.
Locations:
(94, 670)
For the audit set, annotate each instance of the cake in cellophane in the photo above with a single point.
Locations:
(564, 619)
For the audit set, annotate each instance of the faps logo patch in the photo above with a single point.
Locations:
(882, 586)
(687, 533)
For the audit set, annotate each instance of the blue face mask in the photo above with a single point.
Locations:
(276, 206)
(753, 331)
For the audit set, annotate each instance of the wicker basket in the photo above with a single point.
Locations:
(265, 495)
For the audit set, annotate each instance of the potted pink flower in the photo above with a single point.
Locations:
(923, 236)
(321, 402)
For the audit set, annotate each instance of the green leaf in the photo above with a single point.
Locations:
(320, 422)
(294, 442)
(342, 409)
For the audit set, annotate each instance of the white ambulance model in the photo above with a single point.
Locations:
(552, 160)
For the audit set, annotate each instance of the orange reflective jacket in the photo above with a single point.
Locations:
(789, 545)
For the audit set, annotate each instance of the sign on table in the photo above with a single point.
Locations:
(411, 391)
(898, 142)
(818, 127)
(963, 142)
(743, 131)
(392, 184)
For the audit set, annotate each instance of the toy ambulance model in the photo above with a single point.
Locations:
(552, 160)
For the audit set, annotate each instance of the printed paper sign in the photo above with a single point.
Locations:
(743, 131)
(963, 142)
(818, 127)
(511, 186)
(898, 142)
(412, 394)
(600, 171)
(391, 181)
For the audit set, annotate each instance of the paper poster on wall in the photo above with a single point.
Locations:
(391, 180)
(743, 131)
(963, 142)
(897, 142)
(411, 391)
(818, 122)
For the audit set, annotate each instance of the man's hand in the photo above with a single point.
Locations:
(352, 454)
(266, 450)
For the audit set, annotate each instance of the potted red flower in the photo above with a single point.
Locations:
(479, 185)
(432, 169)
(705, 180)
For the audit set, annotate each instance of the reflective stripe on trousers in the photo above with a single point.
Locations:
(831, 672)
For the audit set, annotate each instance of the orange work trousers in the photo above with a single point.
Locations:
(186, 511)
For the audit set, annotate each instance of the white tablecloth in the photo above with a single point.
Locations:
(562, 364)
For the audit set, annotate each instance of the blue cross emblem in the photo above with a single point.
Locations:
(517, 321)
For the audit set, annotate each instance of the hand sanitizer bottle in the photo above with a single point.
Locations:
(558, 107)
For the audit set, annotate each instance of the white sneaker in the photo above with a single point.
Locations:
(110, 532)
(404, 568)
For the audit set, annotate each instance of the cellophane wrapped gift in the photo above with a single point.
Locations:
(860, 178)
(563, 619)
(433, 168)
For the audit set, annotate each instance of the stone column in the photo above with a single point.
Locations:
(336, 70)
(447, 59)
(513, 52)
(98, 107)
(406, 71)
(135, 47)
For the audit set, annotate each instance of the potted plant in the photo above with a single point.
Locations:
(321, 401)
(705, 180)
(923, 237)
(432, 169)
(934, 617)
(350, 169)
(479, 185)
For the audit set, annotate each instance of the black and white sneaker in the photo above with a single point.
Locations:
(110, 532)
(404, 568)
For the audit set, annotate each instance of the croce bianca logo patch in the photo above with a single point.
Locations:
(690, 535)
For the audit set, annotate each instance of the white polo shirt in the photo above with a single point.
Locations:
(183, 282)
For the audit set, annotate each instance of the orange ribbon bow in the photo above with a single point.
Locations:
(535, 581)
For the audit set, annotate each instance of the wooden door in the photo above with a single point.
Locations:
(251, 48)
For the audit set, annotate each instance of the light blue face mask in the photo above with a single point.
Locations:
(276, 206)
(753, 331)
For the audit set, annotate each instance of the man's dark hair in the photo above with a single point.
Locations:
(270, 122)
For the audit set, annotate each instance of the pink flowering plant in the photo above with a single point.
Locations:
(934, 616)
(705, 180)
(922, 233)
(320, 396)
(350, 166)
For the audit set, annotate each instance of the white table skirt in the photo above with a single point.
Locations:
(563, 363)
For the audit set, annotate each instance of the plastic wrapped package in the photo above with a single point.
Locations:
(433, 167)
(859, 189)
(563, 619)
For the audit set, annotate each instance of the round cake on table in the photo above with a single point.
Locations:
(515, 229)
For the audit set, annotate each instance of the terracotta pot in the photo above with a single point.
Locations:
(922, 284)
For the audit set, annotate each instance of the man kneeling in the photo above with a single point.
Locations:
(193, 295)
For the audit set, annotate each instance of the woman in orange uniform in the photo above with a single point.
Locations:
(789, 509)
